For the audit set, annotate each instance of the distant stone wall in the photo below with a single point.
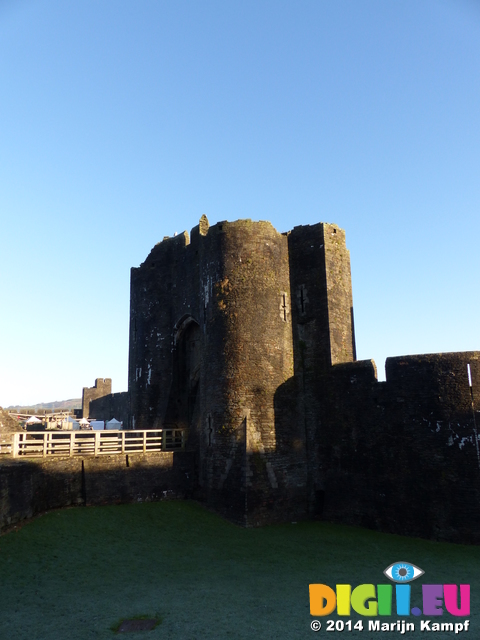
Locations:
(7, 423)
(114, 405)
(101, 388)
(30, 487)
(8, 426)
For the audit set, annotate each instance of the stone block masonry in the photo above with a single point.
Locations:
(102, 387)
(114, 405)
(245, 337)
(402, 455)
(28, 488)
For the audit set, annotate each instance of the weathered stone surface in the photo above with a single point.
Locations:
(113, 405)
(401, 455)
(29, 487)
(245, 337)
(101, 388)
(7, 423)
(8, 426)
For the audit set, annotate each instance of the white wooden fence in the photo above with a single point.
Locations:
(38, 444)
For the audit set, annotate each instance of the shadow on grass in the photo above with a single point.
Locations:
(72, 573)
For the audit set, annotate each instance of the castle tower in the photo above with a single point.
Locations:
(101, 388)
(323, 333)
(221, 328)
(322, 290)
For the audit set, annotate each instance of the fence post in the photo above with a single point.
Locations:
(97, 441)
(72, 440)
(16, 437)
(123, 441)
(144, 442)
(45, 436)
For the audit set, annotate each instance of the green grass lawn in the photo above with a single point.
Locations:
(74, 574)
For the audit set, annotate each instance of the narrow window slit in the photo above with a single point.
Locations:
(210, 430)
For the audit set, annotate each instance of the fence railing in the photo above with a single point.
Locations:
(38, 444)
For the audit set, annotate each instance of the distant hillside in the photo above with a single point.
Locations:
(75, 403)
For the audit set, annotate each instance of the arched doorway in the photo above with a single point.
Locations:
(185, 374)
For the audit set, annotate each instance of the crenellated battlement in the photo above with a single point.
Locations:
(102, 387)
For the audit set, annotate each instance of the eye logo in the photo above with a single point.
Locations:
(403, 572)
(377, 600)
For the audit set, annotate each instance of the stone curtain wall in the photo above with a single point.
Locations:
(164, 289)
(30, 487)
(400, 455)
(114, 405)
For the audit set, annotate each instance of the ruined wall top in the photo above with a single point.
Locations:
(184, 240)
(102, 387)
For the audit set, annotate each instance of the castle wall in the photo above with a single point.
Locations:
(101, 388)
(164, 290)
(28, 488)
(8, 426)
(177, 339)
(114, 405)
(401, 455)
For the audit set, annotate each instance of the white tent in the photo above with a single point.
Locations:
(114, 424)
(33, 420)
(84, 424)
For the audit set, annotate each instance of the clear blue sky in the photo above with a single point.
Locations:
(124, 121)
